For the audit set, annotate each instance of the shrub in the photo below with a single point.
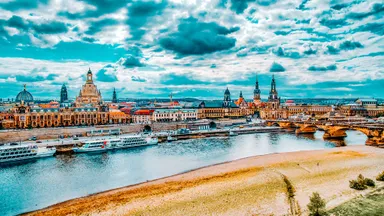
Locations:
(380, 177)
(316, 205)
(361, 183)
(358, 184)
(369, 182)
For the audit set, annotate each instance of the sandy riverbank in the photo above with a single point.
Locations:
(250, 186)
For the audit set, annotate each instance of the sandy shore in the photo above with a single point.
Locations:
(250, 186)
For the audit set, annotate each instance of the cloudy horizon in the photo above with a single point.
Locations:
(148, 49)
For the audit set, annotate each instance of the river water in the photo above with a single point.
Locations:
(38, 184)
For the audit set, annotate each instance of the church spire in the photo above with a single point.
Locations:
(114, 96)
(256, 91)
(273, 92)
(89, 76)
(241, 94)
(63, 94)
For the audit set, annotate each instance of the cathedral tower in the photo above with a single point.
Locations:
(227, 98)
(63, 94)
(114, 96)
(273, 99)
(256, 92)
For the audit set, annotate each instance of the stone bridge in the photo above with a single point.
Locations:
(374, 132)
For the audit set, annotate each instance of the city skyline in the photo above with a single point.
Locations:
(196, 49)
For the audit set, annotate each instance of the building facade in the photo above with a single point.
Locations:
(89, 95)
(174, 115)
(272, 109)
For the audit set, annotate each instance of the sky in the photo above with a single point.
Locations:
(193, 48)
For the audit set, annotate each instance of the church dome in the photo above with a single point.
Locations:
(24, 96)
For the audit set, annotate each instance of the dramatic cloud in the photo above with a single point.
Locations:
(196, 38)
(99, 8)
(106, 74)
(276, 67)
(16, 5)
(139, 13)
(195, 48)
(322, 68)
(350, 45)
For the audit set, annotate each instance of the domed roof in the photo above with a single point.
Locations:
(24, 96)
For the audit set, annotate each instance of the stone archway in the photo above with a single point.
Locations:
(147, 129)
(212, 125)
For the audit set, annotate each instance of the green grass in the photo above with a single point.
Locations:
(370, 205)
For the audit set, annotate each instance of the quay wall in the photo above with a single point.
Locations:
(54, 133)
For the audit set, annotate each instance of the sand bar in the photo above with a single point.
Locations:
(249, 186)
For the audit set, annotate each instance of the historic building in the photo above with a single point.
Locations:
(114, 96)
(363, 107)
(88, 109)
(63, 94)
(89, 93)
(218, 109)
(173, 115)
(24, 96)
(272, 109)
(257, 93)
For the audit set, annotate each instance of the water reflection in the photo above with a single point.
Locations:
(340, 142)
(29, 186)
(307, 136)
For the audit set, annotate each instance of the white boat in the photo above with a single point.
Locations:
(135, 141)
(152, 140)
(113, 143)
(46, 152)
(171, 138)
(12, 153)
(92, 146)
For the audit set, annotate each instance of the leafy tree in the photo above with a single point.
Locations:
(316, 205)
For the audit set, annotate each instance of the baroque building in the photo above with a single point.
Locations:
(88, 109)
(89, 93)
(257, 93)
(24, 96)
(272, 109)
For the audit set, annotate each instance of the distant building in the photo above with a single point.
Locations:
(272, 109)
(367, 102)
(63, 94)
(143, 116)
(89, 93)
(114, 96)
(24, 96)
(173, 115)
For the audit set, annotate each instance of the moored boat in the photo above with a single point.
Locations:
(233, 133)
(12, 153)
(135, 141)
(171, 138)
(92, 146)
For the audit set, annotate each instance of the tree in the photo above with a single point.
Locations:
(316, 205)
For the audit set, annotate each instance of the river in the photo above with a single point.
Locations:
(38, 184)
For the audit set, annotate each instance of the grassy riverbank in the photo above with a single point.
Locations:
(370, 205)
(271, 184)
